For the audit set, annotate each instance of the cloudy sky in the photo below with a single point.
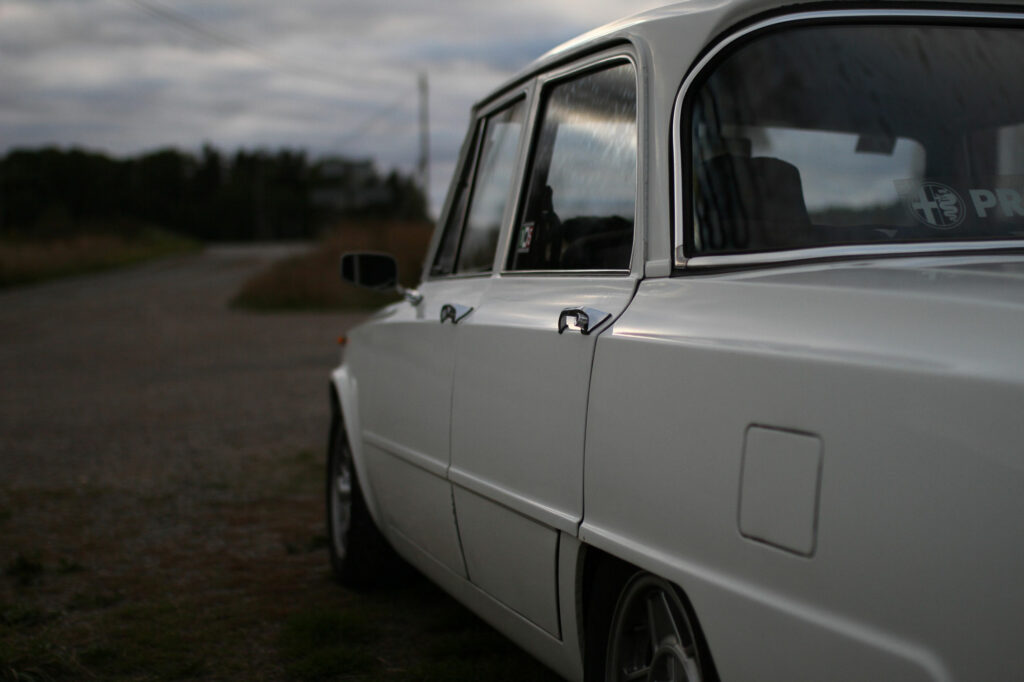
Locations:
(329, 76)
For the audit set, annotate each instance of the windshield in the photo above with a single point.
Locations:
(831, 135)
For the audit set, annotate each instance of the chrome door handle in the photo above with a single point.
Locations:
(454, 312)
(585, 320)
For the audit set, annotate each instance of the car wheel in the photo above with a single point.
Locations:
(360, 556)
(651, 637)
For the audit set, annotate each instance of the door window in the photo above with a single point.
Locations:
(471, 234)
(581, 198)
(493, 183)
(448, 248)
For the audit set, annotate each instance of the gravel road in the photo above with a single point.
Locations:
(145, 379)
(160, 473)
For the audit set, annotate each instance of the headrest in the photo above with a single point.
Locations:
(750, 204)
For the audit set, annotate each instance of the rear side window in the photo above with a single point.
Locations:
(581, 197)
(849, 134)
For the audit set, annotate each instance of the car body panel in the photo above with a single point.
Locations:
(908, 367)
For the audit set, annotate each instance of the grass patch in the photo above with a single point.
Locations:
(316, 543)
(24, 570)
(311, 281)
(27, 651)
(495, 668)
(413, 632)
(66, 566)
(27, 570)
(21, 616)
(320, 643)
(94, 601)
(305, 474)
(24, 261)
(41, 662)
(459, 646)
(153, 640)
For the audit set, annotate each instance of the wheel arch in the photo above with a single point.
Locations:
(344, 397)
(602, 578)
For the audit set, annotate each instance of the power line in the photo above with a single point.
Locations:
(379, 116)
(215, 36)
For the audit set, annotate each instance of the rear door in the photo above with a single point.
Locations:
(524, 356)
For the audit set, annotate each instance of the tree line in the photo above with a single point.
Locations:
(247, 195)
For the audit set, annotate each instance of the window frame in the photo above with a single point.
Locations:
(541, 85)
(469, 166)
(464, 167)
(682, 201)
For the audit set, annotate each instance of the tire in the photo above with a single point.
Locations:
(652, 637)
(360, 556)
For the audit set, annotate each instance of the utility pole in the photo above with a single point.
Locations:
(424, 161)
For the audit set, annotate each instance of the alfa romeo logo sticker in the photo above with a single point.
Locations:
(936, 205)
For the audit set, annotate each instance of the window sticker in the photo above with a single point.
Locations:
(525, 238)
(943, 206)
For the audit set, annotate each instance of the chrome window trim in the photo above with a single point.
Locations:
(679, 216)
(459, 275)
(614, 272)
(549, 79)
(853, 250)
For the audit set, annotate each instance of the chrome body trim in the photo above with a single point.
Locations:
(680, 206)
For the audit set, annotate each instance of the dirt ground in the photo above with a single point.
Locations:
(160, 493)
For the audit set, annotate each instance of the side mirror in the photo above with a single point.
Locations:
(377, 271)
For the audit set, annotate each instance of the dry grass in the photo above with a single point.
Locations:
(311, 282)
(27, 261)
(238, 588)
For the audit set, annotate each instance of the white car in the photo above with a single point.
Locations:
(716, 367)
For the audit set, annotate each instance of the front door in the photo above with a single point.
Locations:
(405, 403)
(403, 371)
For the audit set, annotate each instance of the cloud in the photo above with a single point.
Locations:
(131, 75)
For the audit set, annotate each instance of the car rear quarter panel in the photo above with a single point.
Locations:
(912, 379)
